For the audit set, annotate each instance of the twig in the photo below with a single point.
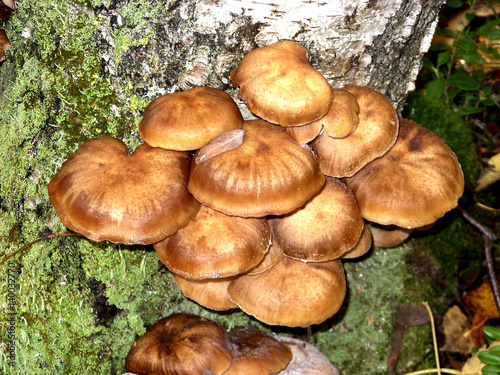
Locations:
(7, 257)
(488, 238)
(434, 340)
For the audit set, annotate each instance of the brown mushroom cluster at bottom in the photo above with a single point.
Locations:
(187, 344)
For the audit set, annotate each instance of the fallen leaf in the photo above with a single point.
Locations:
(411, 315)
(454, 326)
(482, 302)
(474, 365)
(493, 175)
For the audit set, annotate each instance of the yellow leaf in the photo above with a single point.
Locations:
(481, 301)
(493, 175)
(473, 365)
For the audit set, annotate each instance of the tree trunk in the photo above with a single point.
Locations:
(79, 69)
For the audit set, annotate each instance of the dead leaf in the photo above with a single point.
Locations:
(411, 315)
(474, 365)
(491, 176)
(482, 302)
(454, 326)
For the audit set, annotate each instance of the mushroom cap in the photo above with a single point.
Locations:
(211, 293)
(268, 174)
(190, 119)
(279, 85)
(362, 247)
(305, 133)
(214, 245)
(374, 135)
(414, 184)
(292, 293)
(181, 344)
(273, 255)
(326, 227)
(257, 353)
(389, 235)
(104, 193)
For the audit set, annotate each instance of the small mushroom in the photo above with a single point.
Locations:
(414, 184)
(292, 293)
(104, 193)
(375, 134)
(181, 344)
(326, 227)
(190, 119)
(4, 44)
(257, 353)
(279, 85)
(269, 174)
(210, 293)
(362, 247)
(214, 245)
(389, 235)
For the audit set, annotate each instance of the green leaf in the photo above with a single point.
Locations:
(490, 370)
(469, 16)
(490, 51)
(454, 3)
(446, 32)
(440, 47)
(427, 64)
(494, 350)
(488, 25)
(443, 58)
(435, 88)
(461, 80)
(487, 357)
(490, 33)
(492, 332)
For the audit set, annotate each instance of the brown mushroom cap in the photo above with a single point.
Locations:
(326, 227)
(256, 353)
(414, 184)
(305, 133)
(362, 247)
(181, 344)
(214, 245)
(389, 235)
(269, 174)
(292, 293)
(105, 193)
(279, 85)
(272, 257)
(211, 293)
(375, 134)
(190, 119)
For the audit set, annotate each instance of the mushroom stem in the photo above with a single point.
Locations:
(488, 238)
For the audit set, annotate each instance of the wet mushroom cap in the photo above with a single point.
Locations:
(181, 344)
(414, 184)
(326, 227)
(214, 244)
(374, 135)
(292, 293)
(104, 193)
(210, 293)
(362, 247)
(257, 353)
(268, 174)
(279, 85)
(190, 119)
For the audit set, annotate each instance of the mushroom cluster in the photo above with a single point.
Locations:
(186, 344)
(258, 214)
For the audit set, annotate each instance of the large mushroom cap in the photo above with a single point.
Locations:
(374, 135)
(292, 293)
(414, 184)
(214, 245)
(268, 174)
(190, 119)
(105, 193)
(257, 353)
(279, 85)
(181, 344)
(326, 227)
